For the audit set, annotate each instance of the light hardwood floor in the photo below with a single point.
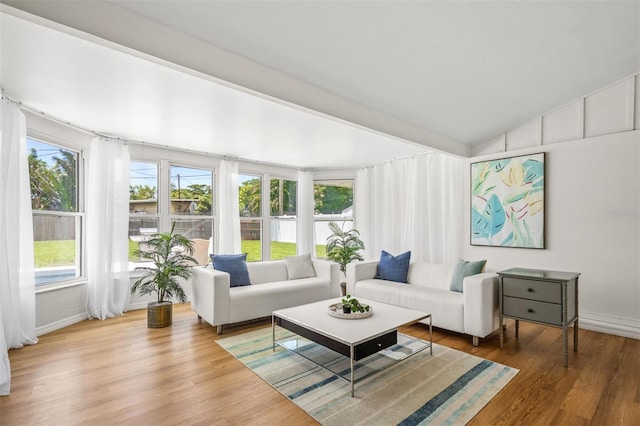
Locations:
(120, 372)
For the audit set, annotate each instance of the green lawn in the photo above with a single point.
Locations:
(63, 253)
(133, 246)
(278, 250)
(54, 253)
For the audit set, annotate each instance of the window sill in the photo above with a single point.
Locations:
(61, 285)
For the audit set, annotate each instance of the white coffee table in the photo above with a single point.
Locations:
(353, 338)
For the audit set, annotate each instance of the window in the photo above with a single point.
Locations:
(187, 203)
(143, 205)
(57, 217)
(283, 207)
(191, 207)
(250, 200)
(333, 202)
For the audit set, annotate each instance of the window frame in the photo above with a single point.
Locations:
(265, 252)
(295, 218)
(326, 218)
(165, 218)
(186, 217)
(79, 213)
(150, 216)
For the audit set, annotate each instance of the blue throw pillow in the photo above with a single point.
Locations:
(393, 268)
(463, 269)
(233, 264)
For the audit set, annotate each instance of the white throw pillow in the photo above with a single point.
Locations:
(300, 267)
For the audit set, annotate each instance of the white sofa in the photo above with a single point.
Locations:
(214, 300)
(473, 312)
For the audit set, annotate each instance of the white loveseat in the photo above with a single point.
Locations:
(214, 300)
(473, 311)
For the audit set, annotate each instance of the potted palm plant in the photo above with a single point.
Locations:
(343, 247)
(171, 257)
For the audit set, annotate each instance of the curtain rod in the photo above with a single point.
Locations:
(64, 122)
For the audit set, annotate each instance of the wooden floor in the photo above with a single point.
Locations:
(120, 372)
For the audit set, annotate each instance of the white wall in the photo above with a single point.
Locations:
(62, 306)
(592, 205)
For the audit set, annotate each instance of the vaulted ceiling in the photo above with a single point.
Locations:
(312, 84)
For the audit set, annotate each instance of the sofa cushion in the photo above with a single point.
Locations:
(435, 275)
(300, 267)
(267, 271)
(393, 268)
(233, 264)
(445, 306)
(463, 269)
(258, 301)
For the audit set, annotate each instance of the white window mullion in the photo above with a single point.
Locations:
(266, 217)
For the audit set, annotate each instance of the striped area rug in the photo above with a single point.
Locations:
(446, 388)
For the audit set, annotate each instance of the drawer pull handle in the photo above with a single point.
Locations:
(379, 345)
(530, 290)
(530, 310)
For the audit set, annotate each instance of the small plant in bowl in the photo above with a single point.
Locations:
(351, 304)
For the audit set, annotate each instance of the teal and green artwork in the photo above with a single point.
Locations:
(507, 202)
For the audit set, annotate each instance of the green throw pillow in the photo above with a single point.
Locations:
(463, 269)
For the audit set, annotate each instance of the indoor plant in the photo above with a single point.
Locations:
(170, 254)
(351, 304)
(343, 247)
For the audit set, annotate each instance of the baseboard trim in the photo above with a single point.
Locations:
(136, 306)
(48, 328)
(141, 305)
(616, 329)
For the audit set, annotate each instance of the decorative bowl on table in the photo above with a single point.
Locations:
(335, 310)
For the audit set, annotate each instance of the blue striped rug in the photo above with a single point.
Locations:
(446, 388)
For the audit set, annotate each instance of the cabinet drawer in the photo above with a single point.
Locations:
(534, 290)
(548, 313)
(373, 346)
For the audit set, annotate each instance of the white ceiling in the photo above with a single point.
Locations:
(419, 74)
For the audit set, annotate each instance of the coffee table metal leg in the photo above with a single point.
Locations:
(352, 374)
(430, 336)
(273, 332)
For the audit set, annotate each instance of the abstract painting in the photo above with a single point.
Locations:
(507, 202)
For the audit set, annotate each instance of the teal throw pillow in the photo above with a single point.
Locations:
(233, 264)
(463, 269)
(393, 268)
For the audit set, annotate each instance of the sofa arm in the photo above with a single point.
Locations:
(210, 295)
(480, 295)
(329, 271)
(358, 271)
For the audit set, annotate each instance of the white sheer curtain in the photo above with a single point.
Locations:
(107, 211)
(412, 204)
(229, 210)
(305, 213)
(17, 278)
